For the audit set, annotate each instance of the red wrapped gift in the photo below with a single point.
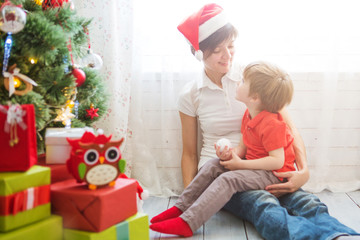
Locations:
(93, 210)
(59, 172)
(24, 200)
(17, 137)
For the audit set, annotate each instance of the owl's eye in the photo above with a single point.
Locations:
(91, 156)
(112, 154)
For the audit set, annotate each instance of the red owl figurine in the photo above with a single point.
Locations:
(95, 160)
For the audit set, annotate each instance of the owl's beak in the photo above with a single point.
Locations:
(101, 160)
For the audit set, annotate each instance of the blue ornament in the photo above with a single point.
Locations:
(76, 109)
(7, 49)
(12, 20)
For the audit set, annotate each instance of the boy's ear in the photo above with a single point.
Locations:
(255, 98)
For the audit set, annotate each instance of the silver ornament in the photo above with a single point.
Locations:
(12, 19)
(91, 60)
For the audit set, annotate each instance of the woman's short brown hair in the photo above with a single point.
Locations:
(208, 45)
(271, 84)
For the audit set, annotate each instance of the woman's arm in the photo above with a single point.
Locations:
(296, 179)
(189, 159)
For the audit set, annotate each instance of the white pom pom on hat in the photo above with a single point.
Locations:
(100, 131)
(202, 24)
(145, 194)
(199, 55)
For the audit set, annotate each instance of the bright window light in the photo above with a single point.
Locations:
(299, 35)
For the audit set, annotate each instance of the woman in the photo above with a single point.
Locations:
(211, 102)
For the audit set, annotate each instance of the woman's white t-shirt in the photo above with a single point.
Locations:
(217, 110)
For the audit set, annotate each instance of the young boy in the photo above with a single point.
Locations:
(266, 146)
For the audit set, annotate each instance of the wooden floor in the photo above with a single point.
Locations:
(344, 206)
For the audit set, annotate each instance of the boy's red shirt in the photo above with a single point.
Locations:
(266, 132)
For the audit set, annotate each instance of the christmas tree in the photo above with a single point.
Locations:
(41, 42)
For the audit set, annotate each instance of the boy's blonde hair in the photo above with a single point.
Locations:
(271, 84)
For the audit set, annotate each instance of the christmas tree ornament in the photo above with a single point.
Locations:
(64, 116)
(66, 64)
(7, 50)
(56, 3)
(70, 92)
(76, 109)
(70, 104)
(92, 112)
(38, 2)
(91, 60)
(79, 75)
(11, 81)
(95, 160)
(12, 20)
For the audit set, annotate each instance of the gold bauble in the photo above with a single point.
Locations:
(38, 2)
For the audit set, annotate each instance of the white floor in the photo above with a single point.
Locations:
(344, 206)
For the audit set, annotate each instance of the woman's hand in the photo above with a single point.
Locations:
(295, 180)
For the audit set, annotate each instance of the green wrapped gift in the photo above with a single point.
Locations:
(24, 197)
(138, 227)
(133, 228)
(50, 229)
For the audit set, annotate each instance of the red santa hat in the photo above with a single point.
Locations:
(202, 24)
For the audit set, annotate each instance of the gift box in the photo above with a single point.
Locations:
(24, 197)
(93, 210)
(138, 227)
(49, 228)
(17, 138)
(133, 228)
(59, 172)
(57, 147)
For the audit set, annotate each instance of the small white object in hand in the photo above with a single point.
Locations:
(222, 143)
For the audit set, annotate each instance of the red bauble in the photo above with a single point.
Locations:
(54, 3)
(79, 75)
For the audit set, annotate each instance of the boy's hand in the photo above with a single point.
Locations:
(225, 154)
(235, 162)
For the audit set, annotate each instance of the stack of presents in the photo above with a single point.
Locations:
(77, 190)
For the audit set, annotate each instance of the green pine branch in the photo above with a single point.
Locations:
(44, 40)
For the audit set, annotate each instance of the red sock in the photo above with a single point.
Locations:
(173, 226)
(172, 212)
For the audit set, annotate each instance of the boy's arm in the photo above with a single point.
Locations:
(274, 161)
(240, 150)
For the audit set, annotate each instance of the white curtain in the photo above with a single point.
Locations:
(111, 37)
(148, 61)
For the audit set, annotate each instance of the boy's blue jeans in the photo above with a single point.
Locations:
(299, 215)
